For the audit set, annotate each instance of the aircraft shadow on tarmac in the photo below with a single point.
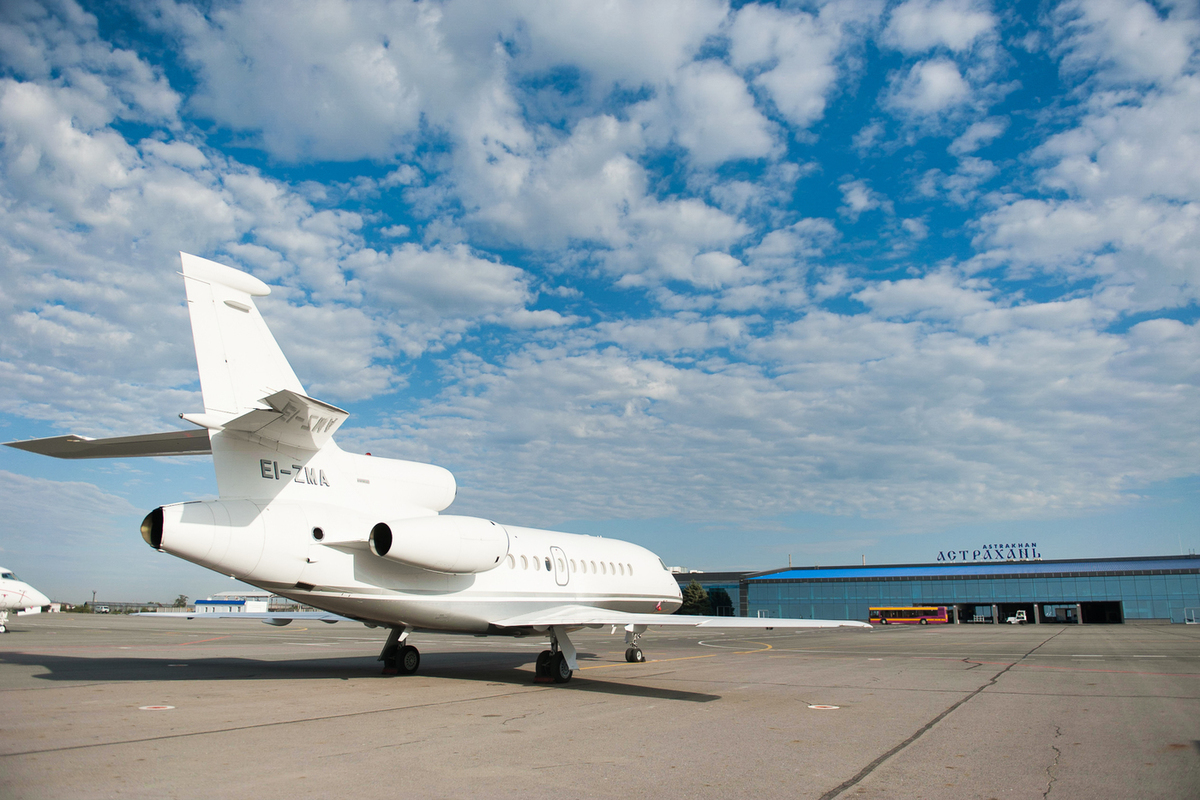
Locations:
(488, 667)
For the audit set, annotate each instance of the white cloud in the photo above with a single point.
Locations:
(920, 25)
(859, 197)
(717, 118)
(438, 283)
(979, 134)
(1042, 418)
(325, 80)
(795, 52)
(1142, 148)
(57, 42)
(931, 87)
(939, 295)
(1127, 39)
(1149, 250)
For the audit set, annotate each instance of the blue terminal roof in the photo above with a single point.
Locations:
(986, 568)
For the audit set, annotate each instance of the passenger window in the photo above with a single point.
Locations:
(536, 564)
(603, 571)
(631, 569)
(524, 563)
(548, 567)
(572, 565)
(561, 566)
(593, 567)
(512, 562)
(611, 568)
(621, 568)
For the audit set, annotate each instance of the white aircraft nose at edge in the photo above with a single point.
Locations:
(16, 595)
(362, 537)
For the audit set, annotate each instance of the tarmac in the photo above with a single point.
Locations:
(137, 707)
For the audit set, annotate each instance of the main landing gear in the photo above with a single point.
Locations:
(399, 658)
(558, 663)
(3, 622)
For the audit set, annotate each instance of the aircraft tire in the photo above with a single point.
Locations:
(542, 665)
(634, 655)
(408, 660)
(559, 669)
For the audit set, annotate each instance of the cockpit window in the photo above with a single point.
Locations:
(664, 566)
(9, 576)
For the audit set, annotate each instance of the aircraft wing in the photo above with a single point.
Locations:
(170, 443)
(588, 616)
(271, 618)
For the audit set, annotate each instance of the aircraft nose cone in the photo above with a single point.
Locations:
(36, 598)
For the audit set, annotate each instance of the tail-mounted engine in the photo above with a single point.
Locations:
(459, 545)
(225, 535)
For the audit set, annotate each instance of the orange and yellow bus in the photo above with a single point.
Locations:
(909, 615)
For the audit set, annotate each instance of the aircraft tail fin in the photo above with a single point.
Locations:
(239, 360)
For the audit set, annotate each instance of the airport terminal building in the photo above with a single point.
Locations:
(1115, 590)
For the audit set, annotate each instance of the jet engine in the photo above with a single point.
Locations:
(458, 545)
(225, 535)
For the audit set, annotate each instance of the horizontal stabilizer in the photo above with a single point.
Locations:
(170, 443)
(292, 419)
(588, 616)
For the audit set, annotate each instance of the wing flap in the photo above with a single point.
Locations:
(587, 616)
(169, 443)
(278, 618)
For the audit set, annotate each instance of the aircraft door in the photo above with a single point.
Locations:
(559, 558)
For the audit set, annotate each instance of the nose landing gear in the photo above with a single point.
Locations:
(634, 654)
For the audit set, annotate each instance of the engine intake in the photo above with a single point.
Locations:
(450, 544)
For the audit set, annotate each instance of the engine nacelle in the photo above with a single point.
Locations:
(225, 535)
(458, 545)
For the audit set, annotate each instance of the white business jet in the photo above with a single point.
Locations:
(16, 595)
(362, 537)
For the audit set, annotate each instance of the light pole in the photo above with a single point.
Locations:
(93, 598)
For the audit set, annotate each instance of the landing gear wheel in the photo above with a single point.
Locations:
(408, 660)
(559, 671)
(634, 655)
(542, 666)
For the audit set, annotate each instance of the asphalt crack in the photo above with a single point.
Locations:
(1051, 777)
(928, 726)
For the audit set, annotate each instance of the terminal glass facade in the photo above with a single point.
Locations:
(1125, 589)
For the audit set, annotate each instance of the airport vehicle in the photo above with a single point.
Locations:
(909, 615)
(1017, 619)
(363, 537)
(16, 595)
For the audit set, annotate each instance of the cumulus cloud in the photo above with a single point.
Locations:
(793, 54)
(718, 120)
(596, 245)
(1127, 39)
(930, 87)
(979, 134)
(859, 197)
(917, 26)
(997, 425)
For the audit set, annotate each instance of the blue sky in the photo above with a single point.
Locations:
(736, 282)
